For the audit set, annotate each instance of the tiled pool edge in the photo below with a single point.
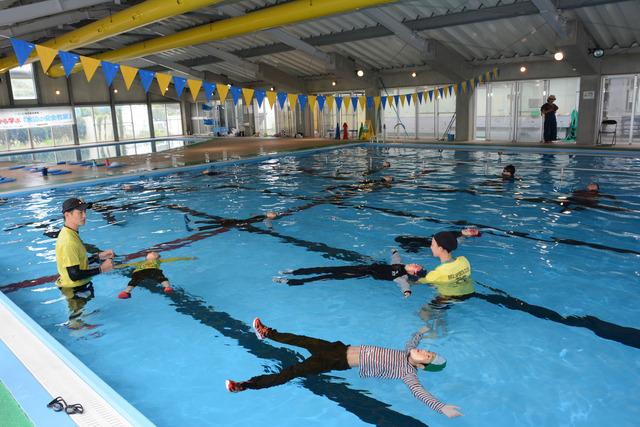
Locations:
(117, 403)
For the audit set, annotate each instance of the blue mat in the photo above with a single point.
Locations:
(16, 167)
(58, 172)
(62, 163)
(4, 180)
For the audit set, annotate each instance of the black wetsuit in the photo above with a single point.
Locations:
(378, 271)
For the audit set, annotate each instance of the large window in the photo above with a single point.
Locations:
(347, 114)
(620, 102)
(133, 121)
(167, 119)
(265, 118)
(94, 124)
(27, 128)
(23, 84)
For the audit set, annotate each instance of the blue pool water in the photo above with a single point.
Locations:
(552, 337)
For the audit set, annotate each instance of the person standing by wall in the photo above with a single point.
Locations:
(548, 110)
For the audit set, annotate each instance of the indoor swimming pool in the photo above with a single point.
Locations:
(550, 337)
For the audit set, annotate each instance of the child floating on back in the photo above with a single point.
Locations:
(148, 270)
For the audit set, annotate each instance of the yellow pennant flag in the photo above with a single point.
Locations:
(414, 98)
(436, 94)
(346, 100)
(376, 101)
(223, 90)
(444, 92)
(163, 81)
(402, 98)
(330, 100)
(46, 55)
(247, 94)
(464, 86)
(389, 100)
(129, 74)
(473, 83)
(272, 97)
(312, 102)
(495, 73)
(362, 100)
(194, 87)
(89, 65)
(293, 100)
(455, 89)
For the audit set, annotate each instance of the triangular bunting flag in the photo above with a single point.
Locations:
(376, 101)
(420, 94)
(128, 74)
(321, 99)
(146, 77)
(370, 102)
(179, 83)
(345, 102)
(46, 55)
(495, 73)
(472, 83)
(330, 100)
(22, 49)
(272, 96)
(209, 88)
(194, 88)
(282, 98)
(247, 95)
(69, 60)
(396, 98)
(354, 103)
(109, 69)
(163, 82)
(235, 94)
(414, 97)
(259, 96)
(302, 100)
(312, 102)
(441, 92)
(465, 86)
(390, 101)
(450, 90)
(459, 88)
(408, 97)
(338, 102)
(89, 65)
(223, 90)
(293, 100)
(383, 100)
(430, 95)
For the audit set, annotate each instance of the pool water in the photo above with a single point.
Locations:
(551, 337)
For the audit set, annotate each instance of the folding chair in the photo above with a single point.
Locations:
(607, 127)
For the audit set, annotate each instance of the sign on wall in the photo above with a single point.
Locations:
(31, 118)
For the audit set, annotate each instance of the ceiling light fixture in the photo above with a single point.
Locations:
(558, 56)
(523, 69)
(57, 92)
(360, 73)
(413, 74)
(597, 52)
(333, 83)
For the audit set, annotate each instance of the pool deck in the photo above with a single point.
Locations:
(230, 148)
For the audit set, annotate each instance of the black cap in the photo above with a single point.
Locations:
(74, 203)
(446, 240)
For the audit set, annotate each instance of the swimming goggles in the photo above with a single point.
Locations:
(58, 405)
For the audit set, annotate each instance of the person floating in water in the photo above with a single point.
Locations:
(372, 361)
(73, 264)
(396, 272)
(148, 270)
(588, 198)
(415, 243)
(509, 173)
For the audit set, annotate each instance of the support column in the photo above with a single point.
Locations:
(588, 106)
(464, 116)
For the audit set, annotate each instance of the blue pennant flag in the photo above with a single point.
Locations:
(179, 83)
(408, 96)
(282, 98)
(460, 87)
(420, 97)
(450, 90)
(338, 102)
(430, 95)
(320, 100)
(236, 93)
(396, 98)
(69, 60)
(384, 102)
(109, 69)
(302, 101)
(209, 88)
(259, 96)
(370, 102)
(354, 103)
(146, 78)
(441, 92)
(22, 49)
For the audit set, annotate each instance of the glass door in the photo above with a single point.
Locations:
(529, 120)
(501, 109)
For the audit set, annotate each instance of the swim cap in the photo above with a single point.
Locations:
(437, 365)
(446, 240)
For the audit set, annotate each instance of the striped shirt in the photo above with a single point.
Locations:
(382, 362)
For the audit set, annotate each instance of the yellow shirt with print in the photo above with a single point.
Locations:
(145, 265)
(451, 279)
(70, 251)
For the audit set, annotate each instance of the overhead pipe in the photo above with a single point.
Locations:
(275, 16)
(131, 18)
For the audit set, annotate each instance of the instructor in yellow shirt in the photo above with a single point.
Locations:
(72, 261)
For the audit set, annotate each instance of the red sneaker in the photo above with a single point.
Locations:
(168, 290)
(260, 330)
(234, 387)
(124, 295)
